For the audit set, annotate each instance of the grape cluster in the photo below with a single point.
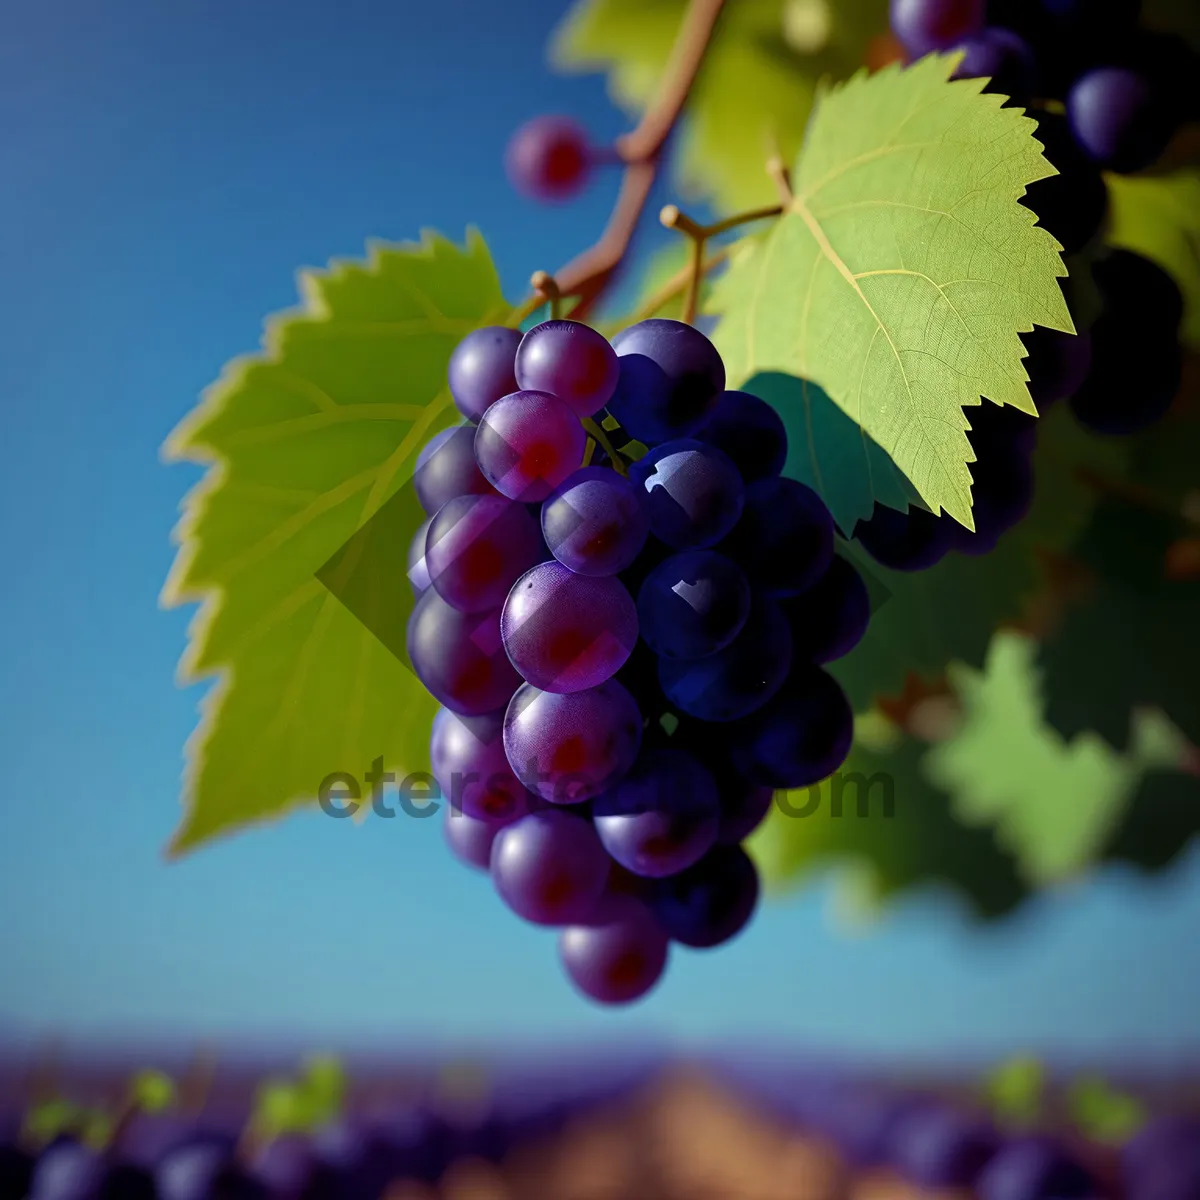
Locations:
(628, 651)
(1107, 96)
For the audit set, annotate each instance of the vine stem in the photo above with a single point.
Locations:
(597, 434)
(587, 275)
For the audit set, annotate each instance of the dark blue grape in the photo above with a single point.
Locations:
(596, 523)
(831, 617)
(1003, 58)
(751, 432)
(204, 1172)
(908, 541)
(1001, 497)
(1034, 1167)
(744, 806)
(693, 604)
(446, 469)
(711, 902)
(482, 369)
(1057, 364)
(670, 382)
(1119, 118)
(737, 679)
(692, 493)
(800, 736)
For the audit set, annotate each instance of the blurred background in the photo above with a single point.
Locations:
(167, 168)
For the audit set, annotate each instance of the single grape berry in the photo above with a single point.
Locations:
(549, 867)
(459, 656)
(738, 679)
(1001, 496)
(1119, 118)
(711, 902)
(471, 769)
(548, 158)
(692, 492)
(1057, 364)
(569, 360)
(1034, 1168)
(693, 604)
(831, 617)
(482, 369)
(527, 444)
(477, 547)
(565, 632)
(750, 432)
(940, 1147)
(446, 469)
(1003, 58)
(671, 380)
(617, 957)
(744, 805)
(570, 747)
(662, 817)
(596, 522)
(928, 25)
(800, 736)
(905, 541)
(471, 838)
(784, 540)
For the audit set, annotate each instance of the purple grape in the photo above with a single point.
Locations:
(784, 541)
(459, 657)
(471, 838)
(662, 817)
(739, 678)
(670, 382)
(418, 568)
(693, 604)
(68, 1171)
(744, 806)
(799, 737)
(692, 492)
(202, 1172)
(831, 617)
(1071, 205)
(1034, 1168)
(482, 369)
(528, 443)
(924, 26)
(288, 1168)
(446, 468)
(618, 957)
(548, 158)
(1057, 364)
(565, 632)
(905, 541)
(549, 867)
(569, 360)
(941, 1147)
(596, 522)
(1119, 119)
(568, 748)
(1162, 1139)
(468, 761)
(711, 902)
(476, 549)
(1001, 497)
(1002, 57)
(750, 432)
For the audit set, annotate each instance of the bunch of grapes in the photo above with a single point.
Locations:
(1107, 95)
(627, 650)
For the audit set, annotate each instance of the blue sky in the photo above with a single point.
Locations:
(166, 170)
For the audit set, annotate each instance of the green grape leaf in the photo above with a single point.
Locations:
(1131, 644)
(1053, 804)
(1103, 1113)
(949, 612)
(152, 1091)
(309, 444)
(1158, 216)
(755, 89)
(880, 819)
(904, 269)
(1016, 1091)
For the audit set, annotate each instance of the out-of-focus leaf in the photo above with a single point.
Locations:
(1015, 1091)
